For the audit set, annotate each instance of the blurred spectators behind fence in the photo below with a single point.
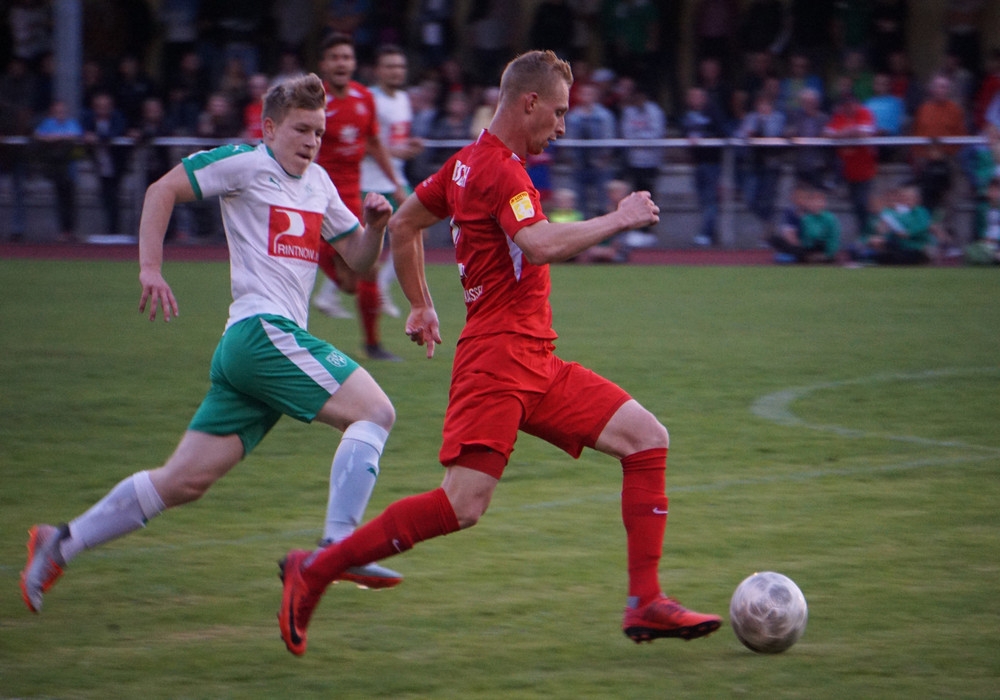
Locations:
(674, 191)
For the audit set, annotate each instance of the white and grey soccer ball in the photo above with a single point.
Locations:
(768, 612)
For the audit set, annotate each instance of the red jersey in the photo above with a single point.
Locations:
(860, 162)
(486, 191)
(350, 121)
(253, 121)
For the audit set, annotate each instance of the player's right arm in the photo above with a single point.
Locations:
(406, 237)
(361, 251)
(161, 197)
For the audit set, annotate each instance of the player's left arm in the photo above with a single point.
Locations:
(361, 251)
(380, 152)
(546, 242)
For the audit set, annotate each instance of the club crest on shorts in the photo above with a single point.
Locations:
(337, 359)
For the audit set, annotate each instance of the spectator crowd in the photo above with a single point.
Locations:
(788, 69)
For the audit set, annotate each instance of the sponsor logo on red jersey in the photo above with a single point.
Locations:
(292, 233)
(461, 173)
(348, 134)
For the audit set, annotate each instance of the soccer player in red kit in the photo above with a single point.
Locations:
(351, 132)
(506, 376)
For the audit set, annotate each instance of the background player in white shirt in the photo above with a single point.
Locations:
(395, 117)
(276, 203)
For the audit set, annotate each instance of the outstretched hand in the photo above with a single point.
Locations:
(423, 328)
(157, 294)
(639, 209)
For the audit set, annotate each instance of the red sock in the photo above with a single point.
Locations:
(400, 526)
(644, 512)
(369, 303)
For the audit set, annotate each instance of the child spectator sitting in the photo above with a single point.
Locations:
(986, 250)
(809, 231)
(903, 231)
(564, 207)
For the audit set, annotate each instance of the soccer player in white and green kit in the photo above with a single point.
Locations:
(395, 117)
(276, 204)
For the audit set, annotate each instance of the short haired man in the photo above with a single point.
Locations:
(352, 130)
(506, 377)
(395, 118)
(277, 207)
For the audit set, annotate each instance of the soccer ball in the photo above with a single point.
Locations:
(768, 612)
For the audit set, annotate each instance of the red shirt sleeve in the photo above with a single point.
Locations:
(517, 203)
(432, 192)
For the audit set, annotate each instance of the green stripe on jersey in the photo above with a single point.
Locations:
(356, 227)
(197, 161)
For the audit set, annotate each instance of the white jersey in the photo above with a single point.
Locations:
(395, 115)
(273, 224)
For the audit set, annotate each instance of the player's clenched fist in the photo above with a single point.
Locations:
(640, 209)
(377, 210)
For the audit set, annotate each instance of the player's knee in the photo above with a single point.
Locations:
(182, 481)
(469, 491)
(194, 490)
(182, 489)
(633, 429)
(468, 513)
(383, 414)
(646, 432)
(658, 433)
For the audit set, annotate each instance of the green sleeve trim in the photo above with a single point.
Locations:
(197, 161)
(189, 169)
(337, 237)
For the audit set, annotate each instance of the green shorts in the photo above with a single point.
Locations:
(263, 367)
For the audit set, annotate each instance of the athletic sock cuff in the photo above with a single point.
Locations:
(369, 433)
(655, 458)
(147, 495)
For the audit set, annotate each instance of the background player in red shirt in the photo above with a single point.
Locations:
(351, 132)
(859, 162)
(506, 377)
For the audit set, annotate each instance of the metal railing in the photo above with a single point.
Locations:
(728, 203)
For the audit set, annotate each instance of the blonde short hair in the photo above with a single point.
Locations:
(535, 71)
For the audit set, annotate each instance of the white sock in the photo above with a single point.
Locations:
(386, 276)
(127, 507)
(328, 288)
(352, 478)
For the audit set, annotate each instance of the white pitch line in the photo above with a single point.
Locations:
(776, 407)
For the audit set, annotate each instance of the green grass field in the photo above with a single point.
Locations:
(840, 426)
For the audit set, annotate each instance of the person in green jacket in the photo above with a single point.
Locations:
(985, 250)
(809, 231)
(903, 231)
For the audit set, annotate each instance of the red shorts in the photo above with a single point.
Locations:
(504, 383)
